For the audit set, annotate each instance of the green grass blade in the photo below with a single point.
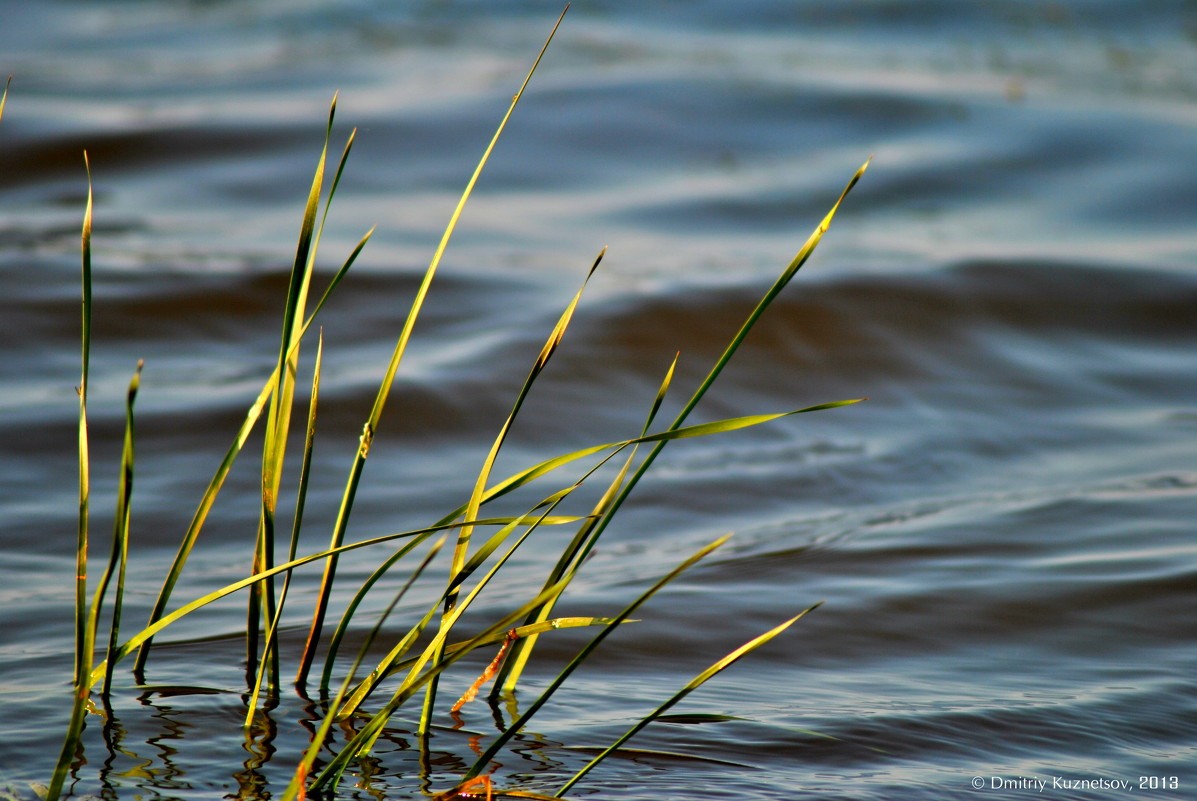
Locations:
(120, 533)
(84, 457)
(690, 687)
(463, 537)
(511, 670)
(582, 655)
(473, 563)
(434, 650)
(575, 553)
(274, 448)
(298, 782)
(371, 427)
(214, 486)
(676, 431)
(163, 622)
(782, 281)
(83, 641)
(297, 523)
(804, 253)
(4, 97)
(368, 733)
(542, 360)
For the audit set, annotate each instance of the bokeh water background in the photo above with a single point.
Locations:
(1003, 534)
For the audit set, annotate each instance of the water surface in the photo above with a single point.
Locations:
(1002, 534)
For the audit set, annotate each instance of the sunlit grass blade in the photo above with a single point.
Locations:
(163, 622)
(274, 447)
(475, 561)
(214, 486)
(463, 537)
(362, 741)
(804, 254)
(517, 726)
(84, 458)
(434, 650)
(120, 532)
(297, 786)
(542, 360)
(575, 553)
(296, 525)
(370, 429)
(528, 475)
(84, 641)
(676, 428)
(690, 687)
(4, 97)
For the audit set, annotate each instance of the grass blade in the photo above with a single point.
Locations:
(575, 553)
(148, 632)
(296, 788)
(84, 642)
(120, 533)
(463, 537)
(304, 474)
(84, 458)
(363, 739)
(279, 418)
(371, 427)
(519, 724)
(804, 253)
(690, 687)
(4, 97)
(214, 486)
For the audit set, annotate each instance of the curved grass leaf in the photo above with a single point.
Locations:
(149, 631)
(363, 740)
(214, 486)
(371, 426)
(463, 536)
(519, 724)
(298, 785)
(690, 687)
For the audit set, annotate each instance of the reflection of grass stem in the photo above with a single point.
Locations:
(418, 656)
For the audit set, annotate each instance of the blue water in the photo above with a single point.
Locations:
(1002, 535)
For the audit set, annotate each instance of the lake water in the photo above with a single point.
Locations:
(1003, 535)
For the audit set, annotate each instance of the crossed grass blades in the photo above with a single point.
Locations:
(364, 701)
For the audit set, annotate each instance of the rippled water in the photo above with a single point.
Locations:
(1002, 534)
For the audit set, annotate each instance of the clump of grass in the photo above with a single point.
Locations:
(364, 699)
